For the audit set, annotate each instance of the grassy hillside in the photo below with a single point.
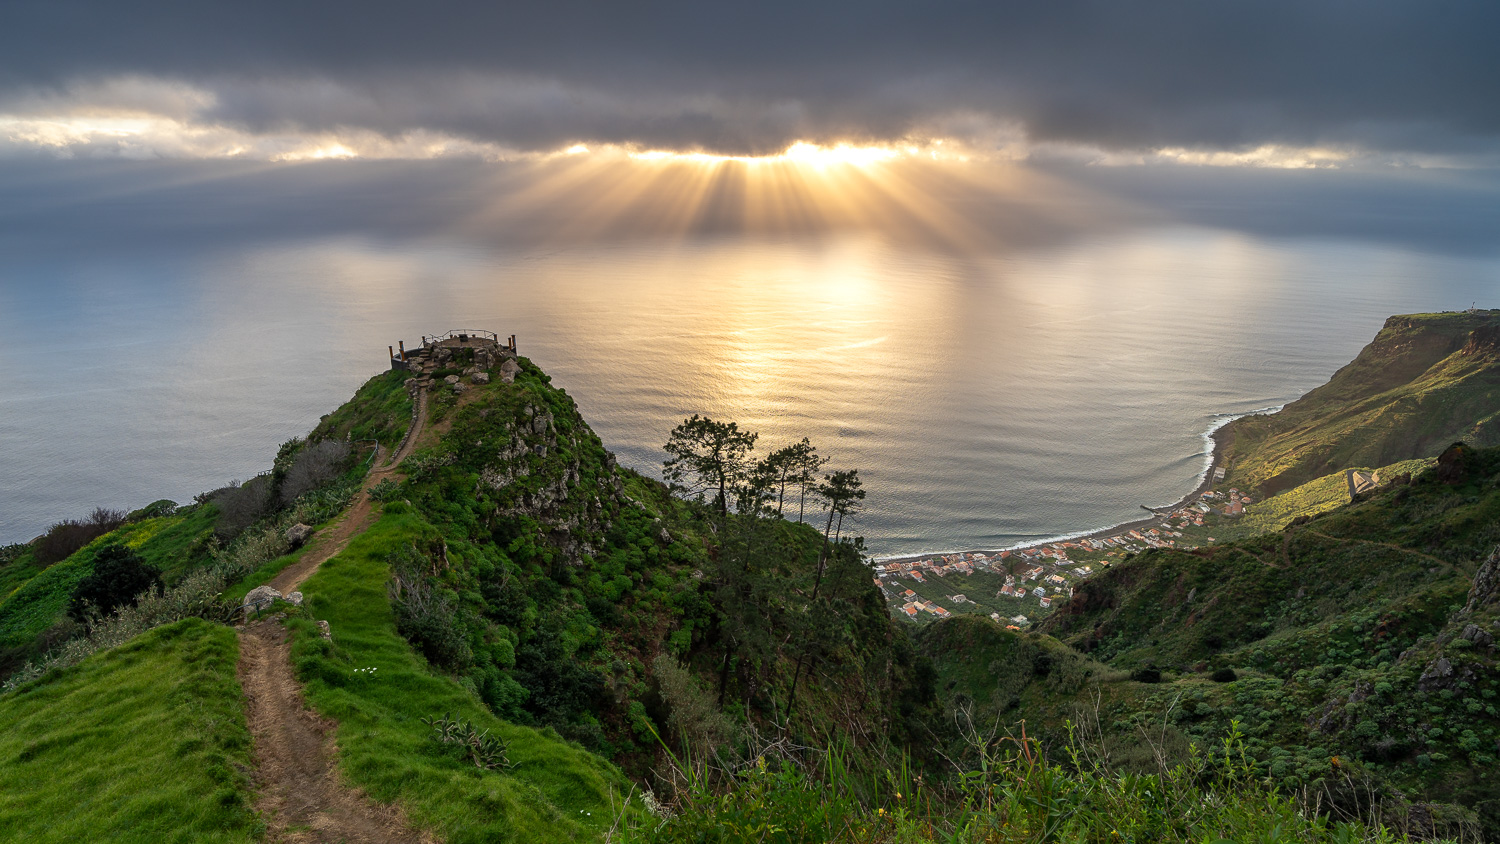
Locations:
(572, 594)
(1358, 643)
(555, 792)
(146, 742)
(1425, 381)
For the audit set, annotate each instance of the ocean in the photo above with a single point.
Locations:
(987, 397)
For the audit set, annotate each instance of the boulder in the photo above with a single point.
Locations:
(294, 598)
(298, 534)
(1439, 675)
(261, 597)
(451, 379)
(325, 631)
(480, 378)
(508, 370)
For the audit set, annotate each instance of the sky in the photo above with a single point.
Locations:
(1351, 84)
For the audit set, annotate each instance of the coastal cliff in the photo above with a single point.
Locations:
(1425, 381)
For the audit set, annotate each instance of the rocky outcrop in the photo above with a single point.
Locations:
(1482, 340)
(261, 597)
(1486, 587)
(298, 534)
(509, 369)
(538, 472)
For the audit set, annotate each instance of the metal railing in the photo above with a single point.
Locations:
(462, 335)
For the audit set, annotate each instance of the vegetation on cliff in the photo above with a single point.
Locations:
(1425, 381)
(624, 645)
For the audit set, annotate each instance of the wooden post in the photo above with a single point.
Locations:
(403, 349)
(392, 350)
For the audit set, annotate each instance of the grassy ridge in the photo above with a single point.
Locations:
(1348, 648)
(172, 543)
(146, 742)
(557, 792)
(1425, 381)
(380, 410)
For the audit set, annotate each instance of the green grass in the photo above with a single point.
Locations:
(172, 543)
(18, 569)
(557, 791)
(1409, 393)
(175, 543)
(263, 575)
(43, 600)
(380, 410)
(1272, 514)
(145, 742)
(1009, 796)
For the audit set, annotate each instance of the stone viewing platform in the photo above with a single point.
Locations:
(465, 354)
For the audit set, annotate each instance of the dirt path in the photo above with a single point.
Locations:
(360, 515)
(1440, 561)
(299, 791)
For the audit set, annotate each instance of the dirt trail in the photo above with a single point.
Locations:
(300, 793)
(360, 515)
(299, 790)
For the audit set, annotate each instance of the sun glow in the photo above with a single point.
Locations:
(800, 152)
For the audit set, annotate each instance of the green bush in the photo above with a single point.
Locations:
(119, 576)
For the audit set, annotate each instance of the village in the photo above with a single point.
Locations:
(1017, 587)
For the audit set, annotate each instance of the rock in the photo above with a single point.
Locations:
(508, 370)
(470, 370)
(458, 388)
(451, 379)
(1478, 635)
(261, 597)
(1439, 675)
(298, 534)
(295, 599)
(325, 631)
(1486, 586)
(480, 378)
(665, 537)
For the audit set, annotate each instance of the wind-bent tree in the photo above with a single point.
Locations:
(709, 455)
(841, 493)
(795, 465)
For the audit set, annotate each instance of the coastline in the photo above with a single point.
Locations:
(1214, 437)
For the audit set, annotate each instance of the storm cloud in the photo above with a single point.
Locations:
(1407, 80)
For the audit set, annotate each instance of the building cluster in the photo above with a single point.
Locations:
(1234, 502)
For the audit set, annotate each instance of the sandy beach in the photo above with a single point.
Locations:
(1219, 436)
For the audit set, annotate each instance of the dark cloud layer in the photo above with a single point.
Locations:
(751, 77)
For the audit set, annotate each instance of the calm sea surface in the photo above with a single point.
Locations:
(986, 400)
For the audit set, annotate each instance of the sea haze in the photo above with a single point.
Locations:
(167, 326)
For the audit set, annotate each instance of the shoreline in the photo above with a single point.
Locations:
(1205, 482)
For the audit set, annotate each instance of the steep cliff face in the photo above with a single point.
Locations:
(535, 466)
(1425, 381)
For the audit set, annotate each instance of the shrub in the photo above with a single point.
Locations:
(1146, 675)
(119, 576)
(427, 618)
(484, 750)
(1224, 675)
(63, 539)
(240, 506)
(314, 466)
(386, 490)
(154, 510)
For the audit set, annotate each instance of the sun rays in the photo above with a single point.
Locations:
(912, 193)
